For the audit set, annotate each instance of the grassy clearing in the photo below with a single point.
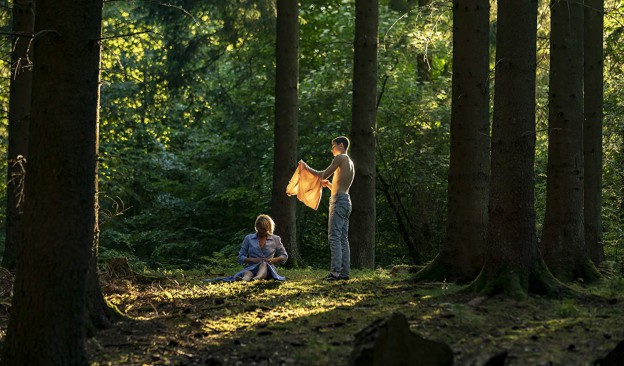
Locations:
(306, 321)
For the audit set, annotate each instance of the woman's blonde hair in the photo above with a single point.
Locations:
(266, 222)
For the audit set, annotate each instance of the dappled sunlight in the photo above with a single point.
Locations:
(182, 320)
(194, 115)
(217, 314)
(248, 303)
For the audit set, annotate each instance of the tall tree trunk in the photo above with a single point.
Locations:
(363, 128)
(512, 260)
(461, 257)
(47, 323)
(283, 208)
(592, 128)
(563, 237)
(19, 118)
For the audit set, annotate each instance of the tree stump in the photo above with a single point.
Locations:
(391, 343)
(613, 358)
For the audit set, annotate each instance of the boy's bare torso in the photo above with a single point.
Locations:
(343, 174)
(343, 170)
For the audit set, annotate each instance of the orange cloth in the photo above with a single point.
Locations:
(306, 186)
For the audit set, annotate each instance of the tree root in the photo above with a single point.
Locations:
(589, 273)
(439, 270)
(584, 272)
(513, 283)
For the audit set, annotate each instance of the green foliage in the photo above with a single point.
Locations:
(106, 254)
(614, 286)
(186, 131)
(613, 132)
(413, 124)
(176, 137)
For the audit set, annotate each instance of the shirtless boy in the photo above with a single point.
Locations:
(339, 207)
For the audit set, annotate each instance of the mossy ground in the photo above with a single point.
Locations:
(305, 321)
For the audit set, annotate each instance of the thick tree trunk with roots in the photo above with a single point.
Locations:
(563, 237)
(47, 324)
(362, 224)
(283, 208)
(592, 127)
(19, 119)
(512, 260)
(461, 257)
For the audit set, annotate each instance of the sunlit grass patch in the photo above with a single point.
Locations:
(313, 321)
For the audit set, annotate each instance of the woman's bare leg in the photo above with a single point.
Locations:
(247, 276)
(262, 271)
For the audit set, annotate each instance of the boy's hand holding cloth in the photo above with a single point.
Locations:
(306, 186)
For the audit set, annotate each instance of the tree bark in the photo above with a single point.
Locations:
(283, 208)
(19, 119)
(461, 257)
(592, 127)
(363, 127)
(563, 237)
(512, 260)
(47, 323)
(99, 313)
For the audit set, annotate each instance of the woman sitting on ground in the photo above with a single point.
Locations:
(260, 251)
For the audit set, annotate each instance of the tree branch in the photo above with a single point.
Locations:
(122, 35)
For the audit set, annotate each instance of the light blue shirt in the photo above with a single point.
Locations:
(251, 249)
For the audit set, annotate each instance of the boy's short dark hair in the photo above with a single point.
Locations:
(342, 140)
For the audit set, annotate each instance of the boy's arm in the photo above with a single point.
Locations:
(308, 168)
(327, 172)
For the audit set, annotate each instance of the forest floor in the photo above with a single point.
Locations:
(181, 320)
(306, 321)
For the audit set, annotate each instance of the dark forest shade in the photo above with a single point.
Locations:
(47, 324)
(513, 265)
(19, 119)
(286, 131)
(592, 127)
(461, 257)
(563, 238)
(363, 125)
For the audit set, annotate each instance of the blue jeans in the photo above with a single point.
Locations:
(338, 233)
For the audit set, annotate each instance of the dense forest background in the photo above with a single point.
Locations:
(187, 110)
